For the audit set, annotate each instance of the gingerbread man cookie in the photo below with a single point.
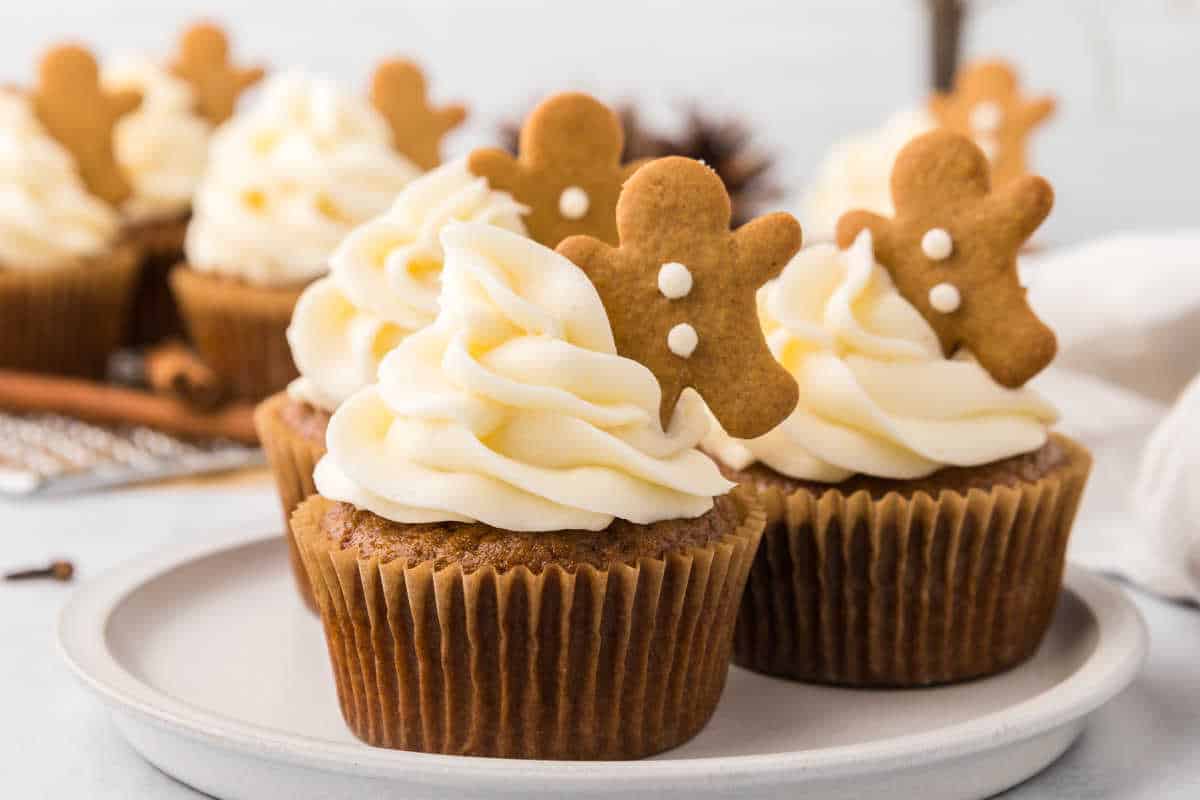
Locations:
(80, 113)
(951, 250)
(568, 172)
(987, 106)
(398, 93)
(203, 62)
(680, 293)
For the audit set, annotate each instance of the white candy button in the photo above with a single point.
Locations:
(945, 298)
(986, 117)
(573, 202)
(682, 340)
(937, 244)
(674, 280)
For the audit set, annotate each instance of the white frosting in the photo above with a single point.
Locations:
(46, 213)
(682, 340)
(573, 203)
(945, 298)
(287, 180)
(162, 146)
(937, 244)
(876, 394)
(384, 282)
(674, 280)
(856, 174)
(514, 409)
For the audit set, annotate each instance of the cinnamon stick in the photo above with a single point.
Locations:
(23, 392)
(171, 368)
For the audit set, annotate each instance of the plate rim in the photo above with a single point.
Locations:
(1120, 652)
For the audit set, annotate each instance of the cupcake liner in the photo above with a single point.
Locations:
(292, 458)
(155, 315)
(902, 591)
(66, 319)
(239, 330)
(615, 663)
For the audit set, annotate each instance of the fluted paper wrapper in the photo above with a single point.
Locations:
(239, 330)
(66, 319)
(292, 458)
(907, 591)
(615, 663)
(156, 316)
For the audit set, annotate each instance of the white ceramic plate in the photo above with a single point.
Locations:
(217, 675)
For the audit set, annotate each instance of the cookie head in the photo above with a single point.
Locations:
(81, 114)
(951, 249)
(568, 170)
(398, 92)
(680, 293)
(203, 60)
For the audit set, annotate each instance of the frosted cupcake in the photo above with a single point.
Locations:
(986, 104)
(286, 181)
(162, 149)
(918, 506)
(383, 286)
(66, 276)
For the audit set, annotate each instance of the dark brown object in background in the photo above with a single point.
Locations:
(945, 25)
(56, 570)
(26, 393)
(155, 316)
(173, 369)
(725, 144)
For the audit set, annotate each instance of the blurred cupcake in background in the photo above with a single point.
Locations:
(986, 104)
(162, 149)
(382, 287)
(286, 181)
(918, 506)
(66, 274)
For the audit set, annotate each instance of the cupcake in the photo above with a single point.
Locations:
(986, 104)
(513, 554)
(286, 181)
(162, 149)
(918, 508)
(66, 275)
(383, 286)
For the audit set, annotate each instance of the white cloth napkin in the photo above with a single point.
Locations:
(1127, 312)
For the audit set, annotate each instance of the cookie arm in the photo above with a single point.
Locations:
(123, 102)
(1036, 111)
(499, 167)
(765, 246)
(248, 77)
(451, 116)
(852, 223)
(1024, 204)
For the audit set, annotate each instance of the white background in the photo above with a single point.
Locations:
(1121, 152)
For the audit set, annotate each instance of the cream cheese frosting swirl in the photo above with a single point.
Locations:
(384, 282)
(162, 146)
(287, 180)
(514, 409)
(47, 216)
(877, 396)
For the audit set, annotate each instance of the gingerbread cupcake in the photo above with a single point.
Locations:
(986, 104)
(286, 181)
(162, 148)
(66, 274)
(918, 506)
(382, 287)
(509, 494)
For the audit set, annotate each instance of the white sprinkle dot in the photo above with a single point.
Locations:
(945, 298)
(937, 244)
(682, 340)
(573, 202)
(674, 280)
(986, 117)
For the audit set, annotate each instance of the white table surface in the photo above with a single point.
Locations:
(56, 740)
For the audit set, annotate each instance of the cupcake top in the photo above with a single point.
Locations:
(877, 396)
(913, 344)
(47, 214)
(162, 145)
(514, 409)
(384, 282)
(288, 179)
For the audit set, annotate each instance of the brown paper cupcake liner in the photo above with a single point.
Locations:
(66, 319)
(238, 329)
(899, 591)
(615, 663)
(155, 315)
(292, 457)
